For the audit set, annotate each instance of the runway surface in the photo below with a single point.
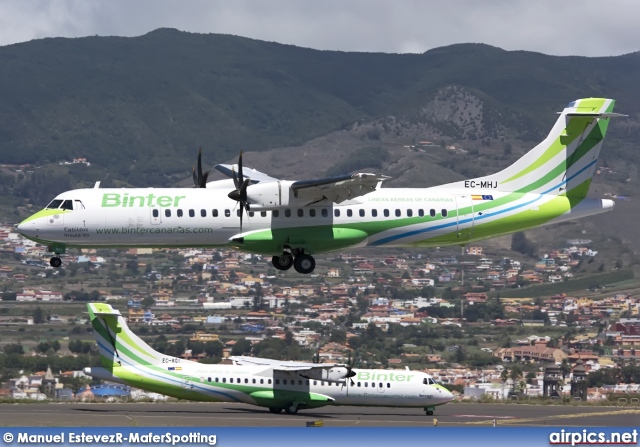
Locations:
(241, 415)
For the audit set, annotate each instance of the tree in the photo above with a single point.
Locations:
(14, 348)
(521, 244)
(241, 347)
(38, 315)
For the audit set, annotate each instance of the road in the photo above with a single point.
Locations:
(241, 415)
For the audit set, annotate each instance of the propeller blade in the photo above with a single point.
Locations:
(200, 167)
(240, 176)
(193, 172)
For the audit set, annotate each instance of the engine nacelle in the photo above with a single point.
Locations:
(335, 374)
(271, 195)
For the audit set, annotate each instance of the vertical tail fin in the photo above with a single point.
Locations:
(117, 344)
(564, 162)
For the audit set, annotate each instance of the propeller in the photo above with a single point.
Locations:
(200, 180)
(351, 372)
(240, 193)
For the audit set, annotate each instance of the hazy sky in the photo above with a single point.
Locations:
(558, 27)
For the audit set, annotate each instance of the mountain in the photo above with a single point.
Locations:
(140, 107)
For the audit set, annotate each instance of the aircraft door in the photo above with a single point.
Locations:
(465, 216)
(156, 216)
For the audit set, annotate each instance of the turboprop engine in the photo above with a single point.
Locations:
(271, 195)
(337, 374)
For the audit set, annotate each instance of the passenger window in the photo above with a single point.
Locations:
(284, 381)
(361, 213)
(167, 213)
(155, 213)
(336, 213)
(421, 212)
(224, 380)
(374, 213)
(227, 213)
(386, 213)
(398, 213)
(253, 380)
(251, 214)
(263, 213)
(325, 213)
(216, 380)
(388, 385)
(315, 382)
(287, 213)
(246, 380)
(409, 213)
(208, 379)
(192, 213)
(239, 212)
(358, 383)
(203, 213)
(366, 384)
(299, 382)
(231, 380)
(432, 213)
(261, 381)
(277, 381)
(179, 213)
(312, 213)
(444, 213)
(349, 213)
(300, 212)
(276, 213)
(67, 205)
(214, 213)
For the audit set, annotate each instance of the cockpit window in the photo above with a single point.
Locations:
(67, 205)
(428, 381)
(54, 205)
(79, 205)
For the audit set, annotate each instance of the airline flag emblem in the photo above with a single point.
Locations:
(174, 368)
(481, 197)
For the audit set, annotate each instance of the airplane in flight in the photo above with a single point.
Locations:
(276, 385)
(294, 220)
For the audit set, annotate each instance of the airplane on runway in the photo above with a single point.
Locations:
(277, 385)
(293, 220)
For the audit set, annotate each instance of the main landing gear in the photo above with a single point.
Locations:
(55, 262)
(289, 409)
(302, 262)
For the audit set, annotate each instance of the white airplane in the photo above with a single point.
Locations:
(277, 385)
(293, 220)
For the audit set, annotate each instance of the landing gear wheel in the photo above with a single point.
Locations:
(282, 262)
(275, 410)
(429, 412)
(55, 262)
(291, 409)
(304, 264)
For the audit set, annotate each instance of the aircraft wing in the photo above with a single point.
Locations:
(308, 192)
(255, 175)
(336, 189)
(281, 365)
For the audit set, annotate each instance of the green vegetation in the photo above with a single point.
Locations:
(586, 282)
